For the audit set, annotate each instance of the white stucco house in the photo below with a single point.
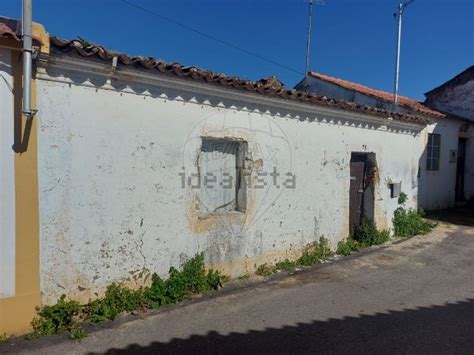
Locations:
(446, 164)
(132, 164)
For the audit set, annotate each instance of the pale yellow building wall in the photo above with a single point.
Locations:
(17, 311)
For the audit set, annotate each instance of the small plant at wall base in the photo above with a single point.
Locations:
(117, 299)
(266, 270)
(316, 253)
(313, 253)
(347, 247)
(244, 277)
(63, 316)
(409, 222)
(365, 235)
(286, 265)
(4, 338)
(67, 315)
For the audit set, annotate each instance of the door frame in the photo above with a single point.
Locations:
(367, 200)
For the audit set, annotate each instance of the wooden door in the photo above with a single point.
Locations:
(356, 191)
(460, 169)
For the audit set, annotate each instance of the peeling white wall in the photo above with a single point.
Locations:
(111, 201)
(7, 179)
(455, 99)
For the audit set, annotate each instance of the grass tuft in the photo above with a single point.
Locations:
(315, 253)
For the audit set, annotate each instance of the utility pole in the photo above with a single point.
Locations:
(308, 38)
(398, 15)
(308, 41)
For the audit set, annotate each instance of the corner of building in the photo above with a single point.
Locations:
(17, 309)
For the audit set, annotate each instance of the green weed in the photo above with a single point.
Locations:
(286, 265)
(4, 337)
(347, 247)
(67, 315)
(265, 270)
(410, 222)
(77, 332)
(364, 236)
(402, 198)
(215, 279)
(407, 223)
(367, 234)
(244, 277)
(315, 253)
(63, 316)
(117, 299)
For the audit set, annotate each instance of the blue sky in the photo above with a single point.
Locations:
(352, 39)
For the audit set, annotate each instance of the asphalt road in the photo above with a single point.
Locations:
(414, 296)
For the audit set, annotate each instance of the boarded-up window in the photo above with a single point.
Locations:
(433, 151)
(220, 169)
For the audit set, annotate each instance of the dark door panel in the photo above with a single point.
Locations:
(356, 191)
(460, 169)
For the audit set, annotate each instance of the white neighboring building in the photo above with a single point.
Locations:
(456, 98)
(446, 162)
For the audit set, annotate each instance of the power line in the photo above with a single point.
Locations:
(226, 43)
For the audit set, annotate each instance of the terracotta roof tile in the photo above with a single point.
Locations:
(7, 32)
(11, 29)
(380, 95)
(271, 86)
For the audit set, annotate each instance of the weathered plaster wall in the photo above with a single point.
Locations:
(437, 188)
(112, 203)
(7, 178)
(458, 100)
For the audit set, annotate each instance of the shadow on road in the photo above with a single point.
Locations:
(460, 215)
(438, 329)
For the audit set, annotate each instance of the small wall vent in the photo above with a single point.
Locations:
(395, 189)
